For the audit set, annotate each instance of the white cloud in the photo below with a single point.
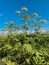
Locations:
(29, 31)
(42, 30)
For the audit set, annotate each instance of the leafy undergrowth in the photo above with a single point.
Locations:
(24, 49)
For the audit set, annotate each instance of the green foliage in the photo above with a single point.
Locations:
(31, 49)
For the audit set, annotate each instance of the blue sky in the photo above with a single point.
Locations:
(9, 7)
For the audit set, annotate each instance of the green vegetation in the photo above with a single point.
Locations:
(31, 49)
(24, 48)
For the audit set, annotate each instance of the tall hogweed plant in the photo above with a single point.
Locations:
(22, 48)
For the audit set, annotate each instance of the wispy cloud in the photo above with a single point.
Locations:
(28, 32)
(43, 30)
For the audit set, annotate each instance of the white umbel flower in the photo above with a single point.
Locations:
(35, 15)
(42, 20)
(33, 20)
(18, 12)
(24, 9)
